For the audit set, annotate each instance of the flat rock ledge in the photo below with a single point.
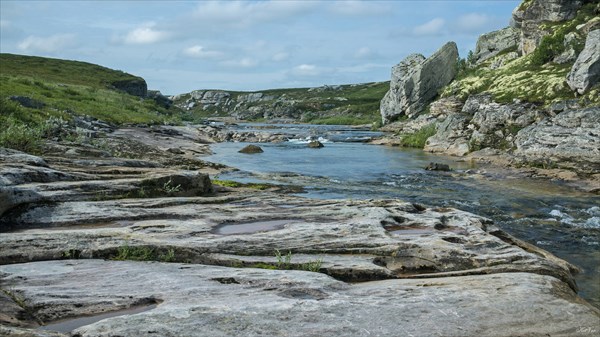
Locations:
(200, 300)
(356, 268)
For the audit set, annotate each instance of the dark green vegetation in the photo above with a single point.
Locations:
(532, 78)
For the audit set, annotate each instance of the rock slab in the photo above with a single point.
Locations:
(257, 302)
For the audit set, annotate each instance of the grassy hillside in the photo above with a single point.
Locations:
(64, 89)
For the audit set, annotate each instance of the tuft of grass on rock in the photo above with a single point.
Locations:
(418, 139)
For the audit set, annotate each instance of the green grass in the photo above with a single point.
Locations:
(418, 139)
(143, 253)
(235, 184)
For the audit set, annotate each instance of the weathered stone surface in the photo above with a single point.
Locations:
(585, 73)
(571, 139)
(495, 125)
(251, 149)
(416, 81)
(258, 302)
(452, 136)
(529, 16)
(490, 44)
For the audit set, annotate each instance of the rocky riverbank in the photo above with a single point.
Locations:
(527, 98)
(218, 256)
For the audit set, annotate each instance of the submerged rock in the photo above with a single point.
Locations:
(437, 167)
(416, 81)
(585, 73)
(250, 149)
(315, 144)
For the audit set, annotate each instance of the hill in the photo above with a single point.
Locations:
(329, 104)
(34, 89)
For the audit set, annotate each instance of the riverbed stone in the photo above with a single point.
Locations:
(251, 149)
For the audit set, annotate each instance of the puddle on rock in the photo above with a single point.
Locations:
(70, 324)
(252, 227)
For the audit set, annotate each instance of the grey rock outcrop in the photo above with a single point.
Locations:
(585, 73)
(416, 81)
(490, 44)
(570, 140)
(529, 15)
(28, 102)
(137, 87)
(452, 136)
(159, 98)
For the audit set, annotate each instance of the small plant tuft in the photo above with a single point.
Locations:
(419, 138)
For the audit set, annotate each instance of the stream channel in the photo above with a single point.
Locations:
(545, 213)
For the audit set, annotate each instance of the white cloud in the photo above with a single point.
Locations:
(198, 51)
(364, 52)
(282, 56)
(245, 62)
(48, 44)
(246, 13)
(472, 22)
(306, 70)
(432, 27)
(146, 34)
(359, 8)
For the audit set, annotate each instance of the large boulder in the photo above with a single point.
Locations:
(416, 81)
(490, 44)
(586, 70)
(530, 14)
(571, 140)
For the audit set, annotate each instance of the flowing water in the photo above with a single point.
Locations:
(547, 214)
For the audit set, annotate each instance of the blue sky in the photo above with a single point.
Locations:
(179, 46)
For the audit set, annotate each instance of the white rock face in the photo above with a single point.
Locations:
(586, 71)
(416, 81)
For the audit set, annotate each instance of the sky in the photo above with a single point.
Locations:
(180, 46)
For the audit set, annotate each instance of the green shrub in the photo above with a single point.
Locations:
(550, 47)
(19, 136)
(419, 138)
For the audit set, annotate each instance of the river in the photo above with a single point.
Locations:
(545, 213)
